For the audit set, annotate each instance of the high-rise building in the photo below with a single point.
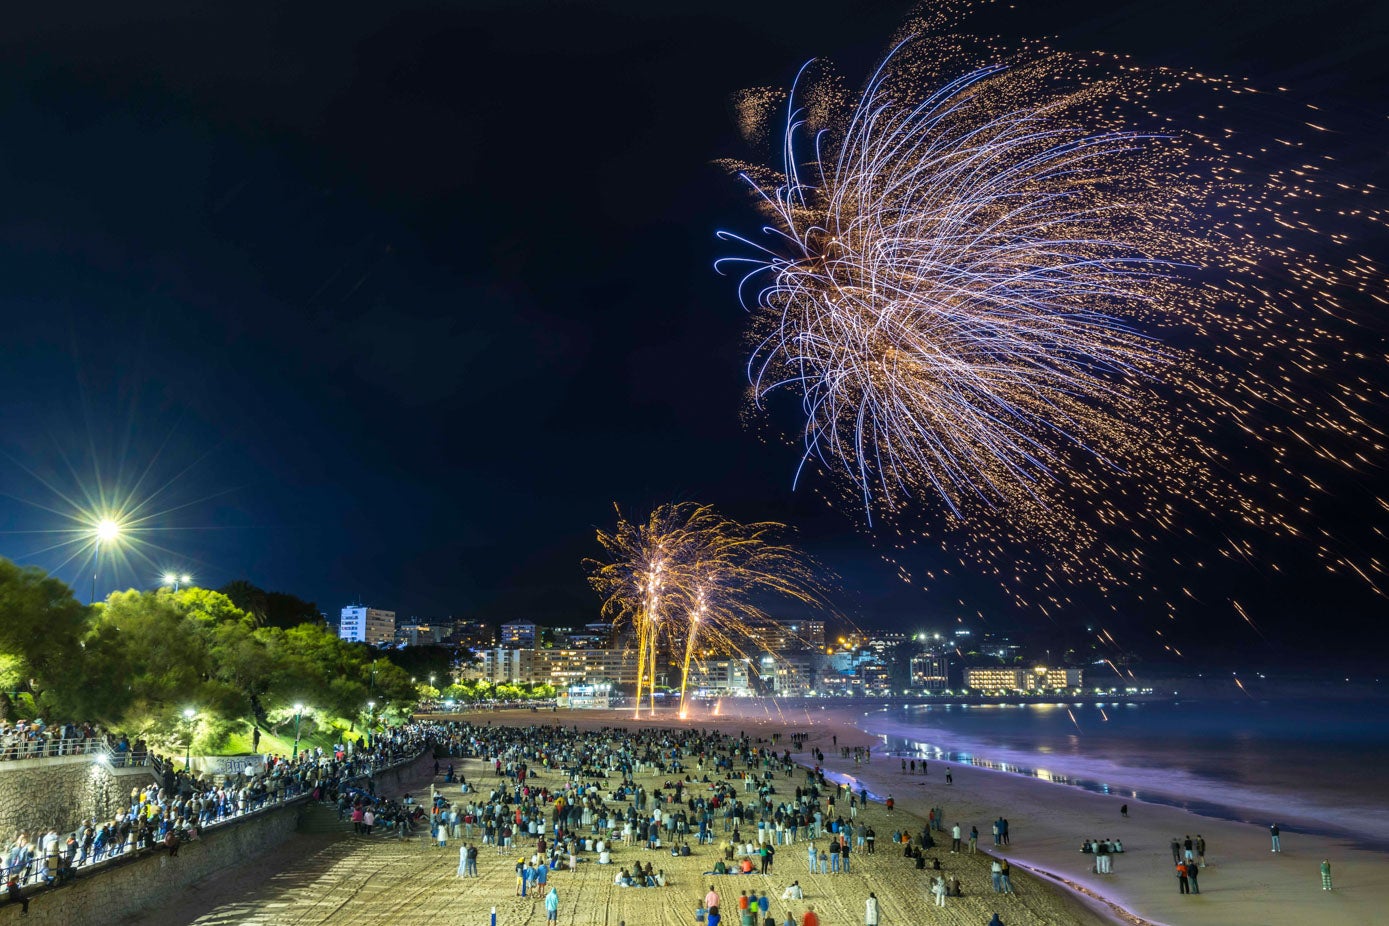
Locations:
(930, 672)
(519, 635)
(361, 624)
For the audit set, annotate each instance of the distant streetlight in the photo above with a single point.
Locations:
(175, 579)
(371, 720)
(298, 713)
(106, 531)
(189, 714)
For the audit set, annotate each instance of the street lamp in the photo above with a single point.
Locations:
(174, 580)
(298, 713)
(371, 720)
(105, 531)
(188, 715)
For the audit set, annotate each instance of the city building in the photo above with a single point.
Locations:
(519, 635)
(559, 667)
(361, 624)
(417, 634)
(500, 665)
(473, 635)
(1041, 678)
(930, 672)
(565, 667)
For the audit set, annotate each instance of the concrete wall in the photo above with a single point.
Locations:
(144, 881)
(36, 794)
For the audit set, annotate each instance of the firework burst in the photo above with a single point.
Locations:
(688, 582)
(1006, 290)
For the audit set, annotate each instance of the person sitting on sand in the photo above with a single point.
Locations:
(719, 868)
(793, 892)
(745, 866)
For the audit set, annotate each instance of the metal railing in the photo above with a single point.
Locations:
(16, 750)
(32, 871)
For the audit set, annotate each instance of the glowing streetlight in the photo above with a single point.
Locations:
(174, 580)
(189, 714)
(106, 531)
(298, 713)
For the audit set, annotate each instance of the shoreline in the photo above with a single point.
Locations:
(1302, 820)
(1241, 884)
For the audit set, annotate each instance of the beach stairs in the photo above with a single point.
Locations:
(323, 819)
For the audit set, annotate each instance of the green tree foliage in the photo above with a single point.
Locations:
(272, 609)
(41, 628)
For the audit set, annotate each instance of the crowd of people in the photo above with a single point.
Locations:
(712, 782)
(176, 808)
(35, 739)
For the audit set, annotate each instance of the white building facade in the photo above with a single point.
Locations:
(361, 624)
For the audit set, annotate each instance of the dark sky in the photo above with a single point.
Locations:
(400, 298)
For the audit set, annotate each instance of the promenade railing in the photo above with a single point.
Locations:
(18, 750)
(32, 870)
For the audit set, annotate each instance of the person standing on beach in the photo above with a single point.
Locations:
(1277, 842)
(1200, 850)
(1005, 875)
(811, 856)
(1191, 873)
(949, 776)
(1326, 874)
(1004, 831)
(996, 873)
(1182, 883)
(870, 912)
(810, 919)
(998, 832)
(1124, 811)
(955, 840)
(552, 906)
(1176, 850)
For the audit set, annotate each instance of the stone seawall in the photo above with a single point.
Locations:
(58, 793)
(142, 881)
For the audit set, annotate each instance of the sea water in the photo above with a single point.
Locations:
(1313, 766)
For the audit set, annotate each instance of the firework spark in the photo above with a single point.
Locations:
(688, 582)
(1005, 289)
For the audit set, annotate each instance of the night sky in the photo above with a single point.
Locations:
(395, 300)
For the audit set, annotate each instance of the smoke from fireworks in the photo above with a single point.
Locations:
(688, 582)
(1004, 288)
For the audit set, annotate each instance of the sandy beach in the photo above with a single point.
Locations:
(1244, 881)
(354, 882)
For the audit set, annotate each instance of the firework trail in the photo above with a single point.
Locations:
(1007, 292)
(688, 583)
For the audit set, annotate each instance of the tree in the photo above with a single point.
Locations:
(285, 610)
(41, 628)
(248, 598)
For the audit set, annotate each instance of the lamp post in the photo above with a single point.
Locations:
(106, 531)
(188, 715)
(298, 713)
(174, 580)
(371, 721)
